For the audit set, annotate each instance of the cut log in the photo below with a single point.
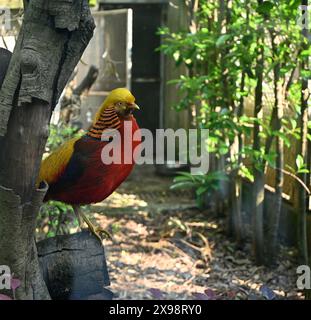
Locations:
(74, 267)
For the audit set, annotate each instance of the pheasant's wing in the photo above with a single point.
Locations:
(81, 160)
(64, 167)
(54, 166)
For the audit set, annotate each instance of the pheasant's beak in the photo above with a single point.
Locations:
(129, 109)
(134, 106)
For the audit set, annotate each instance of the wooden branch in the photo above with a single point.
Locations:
(87, 82)
(292, 175)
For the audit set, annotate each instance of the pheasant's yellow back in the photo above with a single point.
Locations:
(56, 162)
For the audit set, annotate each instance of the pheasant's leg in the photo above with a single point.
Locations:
(96, 230)
(77, 212)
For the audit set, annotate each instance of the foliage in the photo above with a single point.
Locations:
(202, 184)
(55, 218)
(59, 134)
(205, 50)
(238, 53)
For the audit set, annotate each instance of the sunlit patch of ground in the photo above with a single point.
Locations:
(165, 248)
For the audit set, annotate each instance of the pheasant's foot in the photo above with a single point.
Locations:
(96, 230)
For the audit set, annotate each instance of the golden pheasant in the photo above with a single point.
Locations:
(76, 173)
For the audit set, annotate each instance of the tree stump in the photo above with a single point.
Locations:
(74, 267)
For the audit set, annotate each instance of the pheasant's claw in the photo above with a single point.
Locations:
(96, 230)
(95, 233)
(99, 231)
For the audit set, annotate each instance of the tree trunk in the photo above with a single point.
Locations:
(236, 180)
(302, 202)
(302, 195)
(238, 144)
(225, 8)
(52, 39)
(257, 220)
(5, 57)
(223, 23)
(302, 150)
(259, 177)
(274, 215)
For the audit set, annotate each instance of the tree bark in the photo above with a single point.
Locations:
(226, 103)
(275, 214)
(302, 195)
(237, 149)
(303, 151)
(259, 175)
(236, 180)
(5, 57)
(52, 39)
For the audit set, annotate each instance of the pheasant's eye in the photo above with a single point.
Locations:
(119, 104)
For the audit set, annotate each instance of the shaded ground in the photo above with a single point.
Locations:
(164, 247)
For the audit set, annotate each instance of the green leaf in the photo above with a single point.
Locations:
(218, 175)
(182, 179)
(201, 191)
(245, 173)
(92, 3)
(306, 53)
(294, 123)
(222, 40)
(300, 162)
(265, 7)
(303, 171)
(182, 185)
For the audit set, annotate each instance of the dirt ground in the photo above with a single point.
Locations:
(166, 248)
